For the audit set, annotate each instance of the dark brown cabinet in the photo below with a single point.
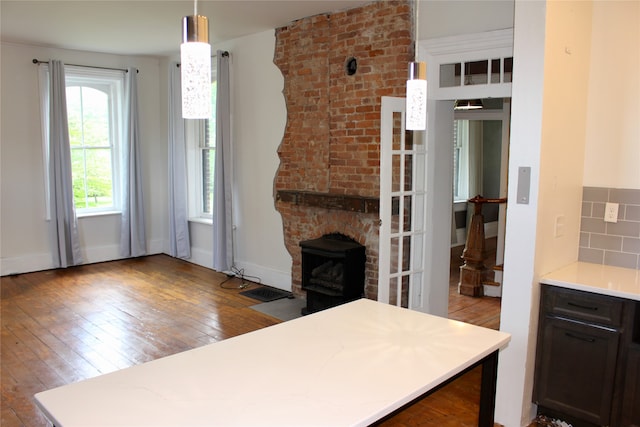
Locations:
(631, 397)
(585, 366)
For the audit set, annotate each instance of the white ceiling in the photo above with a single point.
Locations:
(146, 27)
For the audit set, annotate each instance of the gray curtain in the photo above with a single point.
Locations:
(133, 240)
(65, 244)
(222, 201)
(179, 243)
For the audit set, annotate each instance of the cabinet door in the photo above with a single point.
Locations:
(631, 397)
(575, 369)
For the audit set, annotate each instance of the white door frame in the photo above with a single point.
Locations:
(489, 45)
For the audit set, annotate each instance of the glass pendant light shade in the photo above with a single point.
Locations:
(195, 67)
(416, 101)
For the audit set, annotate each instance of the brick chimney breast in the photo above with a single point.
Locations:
(329, 175)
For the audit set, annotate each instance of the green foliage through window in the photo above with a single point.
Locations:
(92, 118)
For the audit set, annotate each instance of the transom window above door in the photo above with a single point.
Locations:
(470, 65)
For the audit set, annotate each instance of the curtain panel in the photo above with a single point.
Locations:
(179, 241)
(63, 224)
(222, 195)
(133, 240)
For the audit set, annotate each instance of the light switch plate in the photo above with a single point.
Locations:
(524, 184)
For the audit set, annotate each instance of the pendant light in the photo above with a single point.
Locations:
(468, 104)
(195, 66)
(416, 98)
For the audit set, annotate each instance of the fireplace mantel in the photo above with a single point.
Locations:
(345, 202)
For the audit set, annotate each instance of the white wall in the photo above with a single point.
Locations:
(613, 126)
(524, 150)
(258, 120)
(24, 245)
(451, 18)
(575, 124)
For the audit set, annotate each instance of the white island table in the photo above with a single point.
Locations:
(350, 365)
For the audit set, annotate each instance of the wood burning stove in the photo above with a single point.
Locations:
(332, 271)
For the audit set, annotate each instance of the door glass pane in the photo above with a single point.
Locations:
(408, 166)
(393, 259)
(395, 173)
(406, 226)
(406, 253)
(404, 290)
(395, 217)
(417, 253)
(419, 170)
(397, 131)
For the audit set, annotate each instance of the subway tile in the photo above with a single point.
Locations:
(625, 195)
(594, 256)
(604, 241)
(623, 228)
(595, 194)
(632, 213)
(593, 225)
(598, 210)
(586, 209)
(629, 244)
(621, 259)
(584, 240)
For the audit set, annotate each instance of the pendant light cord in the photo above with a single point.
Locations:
(195, 7)
(415, 29)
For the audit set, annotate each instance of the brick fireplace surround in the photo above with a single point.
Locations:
(329, 175)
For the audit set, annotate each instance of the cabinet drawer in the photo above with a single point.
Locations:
(586, 306)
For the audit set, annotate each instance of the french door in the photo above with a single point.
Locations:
(403, 198)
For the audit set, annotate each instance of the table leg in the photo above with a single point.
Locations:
(488, 390)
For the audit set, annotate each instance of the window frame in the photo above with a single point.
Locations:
(114, 82)
(111, 83)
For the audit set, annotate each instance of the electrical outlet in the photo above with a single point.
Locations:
(611, 212)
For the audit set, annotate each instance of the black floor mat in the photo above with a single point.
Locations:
(265, 294)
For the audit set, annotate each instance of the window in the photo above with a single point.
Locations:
(201, 142)
(207, 155)
(94, 115)
(460, 160)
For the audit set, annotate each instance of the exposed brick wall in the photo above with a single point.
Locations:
(332, 138)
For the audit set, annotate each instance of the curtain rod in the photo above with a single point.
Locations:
(224, 54)
(37, 61)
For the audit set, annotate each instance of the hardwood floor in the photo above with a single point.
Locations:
(63, 326)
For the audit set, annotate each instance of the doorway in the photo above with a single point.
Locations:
(480, 160)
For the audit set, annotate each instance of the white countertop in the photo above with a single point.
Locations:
(346, 366)
(601, 279)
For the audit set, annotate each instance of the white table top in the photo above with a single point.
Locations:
(346, 366)
(601, 279)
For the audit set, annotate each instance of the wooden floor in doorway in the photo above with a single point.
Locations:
(62, 326)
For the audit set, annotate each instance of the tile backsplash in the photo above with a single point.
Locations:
(609, 243)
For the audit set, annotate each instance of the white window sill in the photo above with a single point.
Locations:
(97, 213)
(199, 220)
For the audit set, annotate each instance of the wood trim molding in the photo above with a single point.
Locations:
(351, 203)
